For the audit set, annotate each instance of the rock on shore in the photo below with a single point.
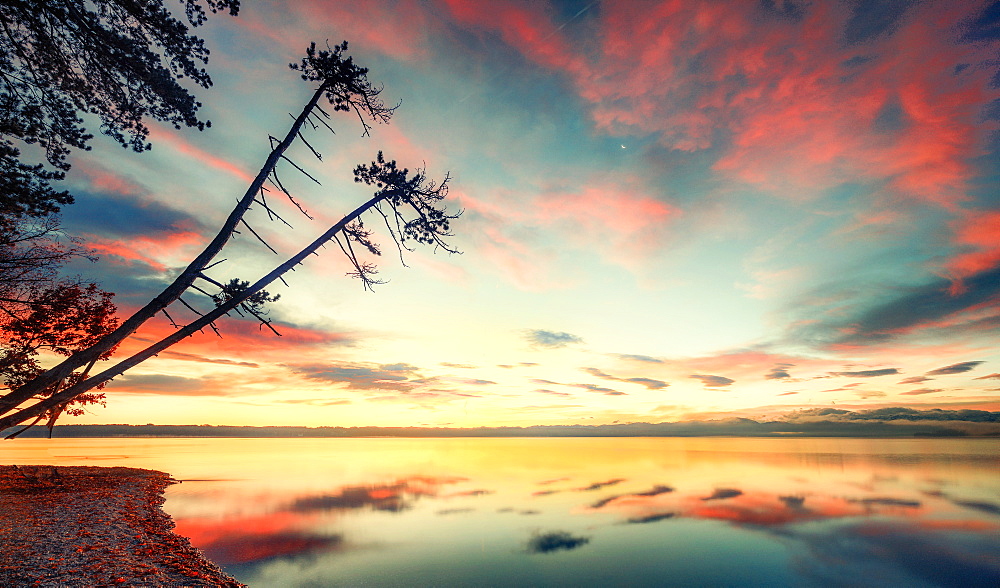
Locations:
(94, 526)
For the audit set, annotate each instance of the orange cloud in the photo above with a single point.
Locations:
(241, 341)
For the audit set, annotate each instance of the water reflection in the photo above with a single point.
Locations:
(394, 497)
(928, 516)
(554, 541)
(421, 512)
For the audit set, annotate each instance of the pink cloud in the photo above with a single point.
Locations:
(162, 137)
(803, 112)
(105, 180)
(756, 365)
(525, 25)
(631, 221)
(812, 122)
(526, 266)
(396, 144)
(620, 221)
(978, 234)
(397, 28)
(154, 251)
(440, 266)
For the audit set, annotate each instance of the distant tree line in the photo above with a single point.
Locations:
(862, 427)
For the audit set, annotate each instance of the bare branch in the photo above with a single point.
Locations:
(362, 271)
(210, 266)
(14, 398)
(277, 183)
(304, 172)
(364, 123)
(317, 154)
(19, 431)
(210, 281)
(393, 234)
(271, 213)
(259, 238)
(173, 323)
(321, 120)
(264, 322)
(189, 307)
(201, 291)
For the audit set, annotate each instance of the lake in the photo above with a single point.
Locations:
(574, 512)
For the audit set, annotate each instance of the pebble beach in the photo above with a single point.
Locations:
(94, 526)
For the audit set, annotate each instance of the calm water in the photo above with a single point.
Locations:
(575, 512)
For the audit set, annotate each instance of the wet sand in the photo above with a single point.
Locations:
(94, 526)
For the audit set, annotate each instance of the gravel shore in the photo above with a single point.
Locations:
(94, 526)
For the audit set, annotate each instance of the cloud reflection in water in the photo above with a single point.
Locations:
(820, 510)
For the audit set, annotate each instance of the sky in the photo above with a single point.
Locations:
(673, 210)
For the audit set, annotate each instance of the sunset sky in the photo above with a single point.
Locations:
(673, 210)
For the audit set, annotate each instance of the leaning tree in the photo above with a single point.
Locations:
(120, 62)
(406, 203)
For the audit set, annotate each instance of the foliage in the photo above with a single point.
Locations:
(60, 320)
(42, 314)
(26, 189)
(31, 252)
(118, 59)
(236, 287)
(401, 190)
(344, 84)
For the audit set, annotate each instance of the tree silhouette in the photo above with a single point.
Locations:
(120, 60)
(408, 204)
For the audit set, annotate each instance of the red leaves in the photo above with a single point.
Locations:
(61, 319)
(64, 319)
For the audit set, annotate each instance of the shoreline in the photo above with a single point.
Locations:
(94, 526)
